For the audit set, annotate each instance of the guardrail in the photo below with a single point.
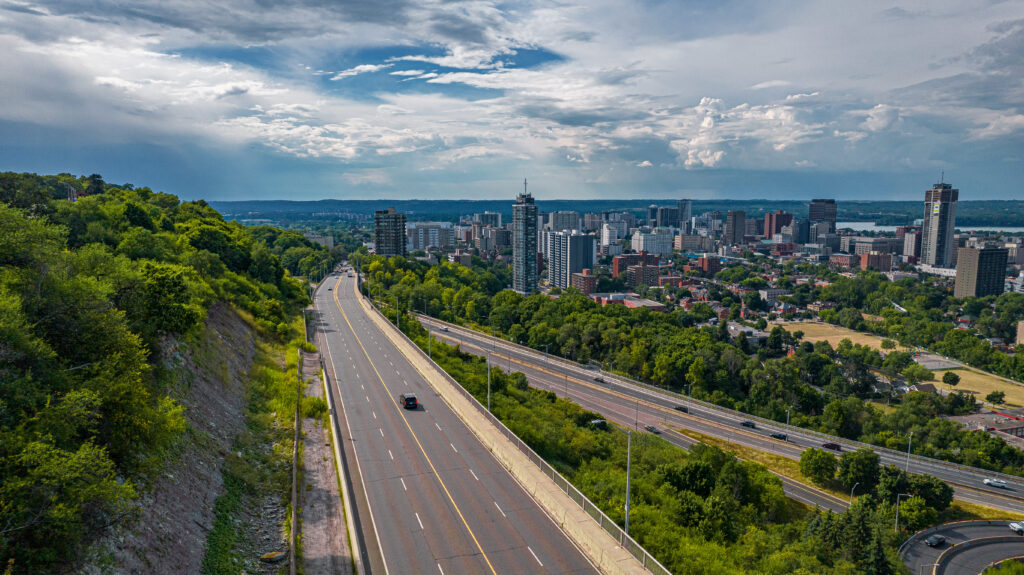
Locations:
(651, 389)
(628, 543)
(942, 527)
(947, 556)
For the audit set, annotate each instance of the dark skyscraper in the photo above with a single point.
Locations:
(735, 227)
(524, 243)
(389, 232)
(823, 211)
(980, 272)
(939, 224)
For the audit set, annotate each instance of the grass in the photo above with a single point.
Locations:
(981, 384)
(833, 334)
(782, 465)
(964, 511)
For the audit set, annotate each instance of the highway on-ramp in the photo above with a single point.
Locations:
(430, 497)
(641, 406)
(977, 545)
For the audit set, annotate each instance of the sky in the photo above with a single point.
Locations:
(314, 99)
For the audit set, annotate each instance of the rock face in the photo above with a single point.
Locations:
(177, 509)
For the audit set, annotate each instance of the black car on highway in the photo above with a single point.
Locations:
(652, 429)
(749, 424)
(780, 436)
(409, 400)
(832, 446)
(935, 540)
(681, 408)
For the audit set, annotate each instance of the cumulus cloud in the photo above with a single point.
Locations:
(574, 88)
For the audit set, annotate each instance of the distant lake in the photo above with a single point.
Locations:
(871, 227)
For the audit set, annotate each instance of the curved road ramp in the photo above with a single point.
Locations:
(970, 547)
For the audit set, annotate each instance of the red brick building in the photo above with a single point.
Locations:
(586, 282)
(621, 263)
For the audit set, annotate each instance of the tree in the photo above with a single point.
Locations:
(915, 514)
(819, 465)
(916, 373)
(859, 468)
(888, 344)
(995, 397)
(951, 379)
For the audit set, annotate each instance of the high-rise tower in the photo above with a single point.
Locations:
(939, 224)
(389, 232)
(524, 243)
(823, 210)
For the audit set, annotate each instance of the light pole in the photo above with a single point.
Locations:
(487, 361)
(851, 491)
(629, 460)
(398, 323)
(787, 415)
(896, 527)
(909, 440)
(689, 399)
(636, 420)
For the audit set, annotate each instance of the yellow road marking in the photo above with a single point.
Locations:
(413, 433)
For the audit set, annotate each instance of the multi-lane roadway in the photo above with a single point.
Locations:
(429, 497)
(637, 406)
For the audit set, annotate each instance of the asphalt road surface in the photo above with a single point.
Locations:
(920, 558)
(639, 406)
(430, 497)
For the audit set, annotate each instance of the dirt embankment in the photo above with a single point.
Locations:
(177, 509)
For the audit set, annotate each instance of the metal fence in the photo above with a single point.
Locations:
(662, 393)
(628, 543)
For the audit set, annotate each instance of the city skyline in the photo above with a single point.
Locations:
(307, 100)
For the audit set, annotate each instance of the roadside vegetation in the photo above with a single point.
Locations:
(826, 389)
(88, 292)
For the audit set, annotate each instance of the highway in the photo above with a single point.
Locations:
(429, 497)
(636, 406)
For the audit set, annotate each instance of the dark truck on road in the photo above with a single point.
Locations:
(408, 400)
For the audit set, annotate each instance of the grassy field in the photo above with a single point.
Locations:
(981, 384)
(833, 334)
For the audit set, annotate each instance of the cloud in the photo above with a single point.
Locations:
(645, 164)
(407, 72)
(360, 69)
(770, 84)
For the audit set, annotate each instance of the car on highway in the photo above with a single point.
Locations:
(652, 429)
(749, 424)
(1017, 527)
(599, 379)
(681, 408)
(935, 540)
(330, 289)
(444, 329)
(992, 482)
(779, 435)
(409, 401)
(832, 446)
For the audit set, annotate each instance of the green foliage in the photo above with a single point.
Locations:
(859, 468)
(314, 407)
(819, 465)
(951, 378)
(996, 397)
(88, 290)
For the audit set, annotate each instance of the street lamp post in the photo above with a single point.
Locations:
(909, 440)
(487, 361)
(787, 415)
(896, 527)
(629, 460)
(851, 491)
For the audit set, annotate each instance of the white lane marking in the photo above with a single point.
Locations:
(403, 484)
(392, 365)
(405, 382)
(361, 387)
(398, 372)
(374, 414)
(439, 569)
(357, 375)
(381, 430)
(421, 522)
(534, 555)
(392, 455)
(437, 426)
(474, 475)
(453, 447)
(367, 399)
(502, 512)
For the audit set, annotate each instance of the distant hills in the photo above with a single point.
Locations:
(973, 213)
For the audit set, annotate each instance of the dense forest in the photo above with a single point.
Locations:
(88, 290)
(827, 389)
